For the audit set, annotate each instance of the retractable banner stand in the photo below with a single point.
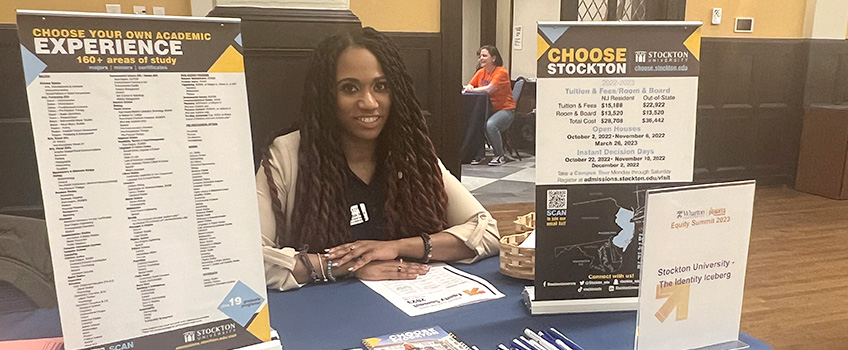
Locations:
(616, 105)
(144, 153)
(696, 253)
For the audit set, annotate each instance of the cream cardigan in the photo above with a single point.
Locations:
(467, 219)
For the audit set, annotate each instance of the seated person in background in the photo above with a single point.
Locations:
(493, 79)
(360, 184)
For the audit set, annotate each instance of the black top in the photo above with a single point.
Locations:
(367, 203)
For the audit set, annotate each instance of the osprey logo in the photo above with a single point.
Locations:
(358, 214)
(641, 56)
(189, 336)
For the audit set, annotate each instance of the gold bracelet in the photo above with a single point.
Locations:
(321, 265)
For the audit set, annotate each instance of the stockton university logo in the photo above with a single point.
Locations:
(189, 336)
(641, 56)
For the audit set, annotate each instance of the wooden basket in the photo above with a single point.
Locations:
(525, 222)
(517, 262)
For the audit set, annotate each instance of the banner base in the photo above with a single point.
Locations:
(731, 345)
(541, 307)
(273, 344)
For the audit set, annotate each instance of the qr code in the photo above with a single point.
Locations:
(557, 199)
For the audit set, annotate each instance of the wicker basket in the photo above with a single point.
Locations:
(519, 262)
(525, 222)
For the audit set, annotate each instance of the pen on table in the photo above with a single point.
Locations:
(537, 344)
(527, 343)
(551, 339)
(546, 345)
(556, 333)
(561, 344)
(520, 344)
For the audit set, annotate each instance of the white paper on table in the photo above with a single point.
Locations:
(530, 241)
(442, 288)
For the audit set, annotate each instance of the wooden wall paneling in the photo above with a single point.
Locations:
(568, 10)
(777, 103)
(842, 80)
(451, 81)
(826, 72)
(725, 79)
(488, 22)
(274, 81)
(277, 46)
(20, 190)
(421, 53)
(749, 109)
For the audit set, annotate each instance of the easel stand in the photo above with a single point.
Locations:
(731, 345)
(273, 344)
(541, 307)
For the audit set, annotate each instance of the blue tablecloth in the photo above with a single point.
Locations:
(338, 316)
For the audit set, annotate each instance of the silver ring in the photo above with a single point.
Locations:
(352, 247)
(400, 268)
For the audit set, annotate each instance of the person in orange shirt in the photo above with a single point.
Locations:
(493, 78)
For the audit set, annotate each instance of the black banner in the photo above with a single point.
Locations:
(617, 51)
(104, 44)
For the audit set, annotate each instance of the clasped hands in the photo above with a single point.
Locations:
(375, 260)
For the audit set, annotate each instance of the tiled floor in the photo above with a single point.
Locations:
(513, 182)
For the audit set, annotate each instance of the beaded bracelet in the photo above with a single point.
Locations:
(330, 271)
(428, 248)
(304, 259)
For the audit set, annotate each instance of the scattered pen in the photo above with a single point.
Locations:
(520, 345)
(541, 341)
(534, 344)
(565, 339)
(547, 336)
(561, 344)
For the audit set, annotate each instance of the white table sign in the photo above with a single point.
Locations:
(693, 267)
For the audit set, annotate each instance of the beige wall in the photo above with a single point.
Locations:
(826, 19)
(399, 15)
(772, 18)
(470, 37)
(291, 4)
(525, 14)
(503, 32)
(8, 7)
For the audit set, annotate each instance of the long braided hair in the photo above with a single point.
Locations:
(416, 198)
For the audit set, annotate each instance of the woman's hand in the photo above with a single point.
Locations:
(363, 252)
(469, 87)
(391, 270)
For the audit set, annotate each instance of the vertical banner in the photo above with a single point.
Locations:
(144, 153)
(616, 105)
(694, 266)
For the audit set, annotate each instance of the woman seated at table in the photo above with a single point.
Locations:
(360, 184)
(493, 79)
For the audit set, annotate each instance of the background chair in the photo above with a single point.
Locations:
(522, 132)
(517, 88)
(26, 271)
